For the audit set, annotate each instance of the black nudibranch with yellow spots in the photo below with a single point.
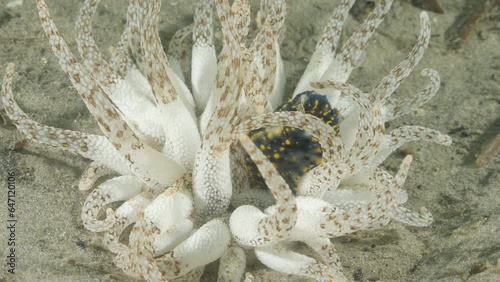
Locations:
(293, 151)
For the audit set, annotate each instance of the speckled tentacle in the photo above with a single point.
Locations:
(391, 82)
(177, 44)
(212, 195)
(265, 87)
(367, 215)
(276, 16)
(328, 43)
(111, 238)
(402, 214)
(132, 29)
(131, 93)
(326, 250)
(96, 66)
(370, 128)
(322, 178)
(211, 240)
(326, 47)
(240, 20)
(310, 223)
(91, 174)
(121, 60)
(221, 109)
(177, 47)
(348, 58)
(243, 194)
(266, 52)
(402, 135)
(125, 215)
(257, 99)
(144, 161)
(264, 7)
(261, 74)
(138, 261)
(395, 108)
(140, 26)
(120, 188)
(280, 258)
(204, 67)
(171, 212)
(252, 227)
(86, 45)
(394, 194)
(181, 132)
(239, 168)
(158, 70)
(94, 147)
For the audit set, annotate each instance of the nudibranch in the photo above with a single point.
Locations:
(292, 151)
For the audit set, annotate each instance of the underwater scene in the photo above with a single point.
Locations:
(245, 140)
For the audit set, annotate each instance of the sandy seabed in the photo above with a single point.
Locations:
(461, 245)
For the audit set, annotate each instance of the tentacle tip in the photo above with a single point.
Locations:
(425, 214)
(424, 15)
(316, 84)
(444, 140)
(429, 72)
(94, 225)
(408, 159)
(84, 184)
(110, 214)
